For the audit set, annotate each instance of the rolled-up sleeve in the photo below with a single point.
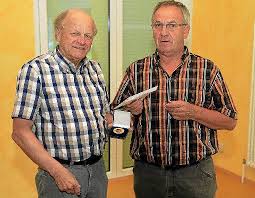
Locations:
(222, 99)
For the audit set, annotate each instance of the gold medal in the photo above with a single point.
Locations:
(118, 130)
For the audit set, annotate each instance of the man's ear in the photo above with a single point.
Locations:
(186, 31)
(57, 35)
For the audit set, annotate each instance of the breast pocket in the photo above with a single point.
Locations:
(196, 96)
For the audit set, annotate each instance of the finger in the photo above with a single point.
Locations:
(135, 103)
(77, 190)
(135, 112)
(71, 189)
(133, 108)
(174, 104)
(110, 125)
(137, 109)
(109, 118)
(179, 111)
(181, 116)
(131, 105)
(76, 186)
(68, 188)
(173, 110)
(170, 106)
(62, 185)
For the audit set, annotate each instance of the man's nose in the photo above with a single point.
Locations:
(164, 30)
(82, 39)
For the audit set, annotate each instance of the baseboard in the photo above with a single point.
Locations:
(225, 171)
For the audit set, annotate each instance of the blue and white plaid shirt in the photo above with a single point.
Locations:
(67, 105)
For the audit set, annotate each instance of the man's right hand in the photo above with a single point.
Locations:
(135, 107)
(26, 139)
(66, 181)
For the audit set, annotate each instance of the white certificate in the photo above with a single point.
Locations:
(142, 94)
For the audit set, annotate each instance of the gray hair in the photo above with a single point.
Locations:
(184, 9)
(60, 18)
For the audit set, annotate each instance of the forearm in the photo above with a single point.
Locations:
(212, 119)
(27, 141)
(34, 150)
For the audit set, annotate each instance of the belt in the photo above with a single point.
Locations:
(91, 160)
(168, 167)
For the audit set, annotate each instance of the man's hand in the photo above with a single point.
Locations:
(135, 107)
(66, 181)
(109, 119)
(26, 139)
(181, 110)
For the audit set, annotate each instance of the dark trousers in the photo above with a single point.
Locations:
(194, 181)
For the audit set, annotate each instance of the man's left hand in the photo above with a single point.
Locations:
(181, 110)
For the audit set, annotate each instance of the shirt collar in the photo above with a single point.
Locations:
(184, 57)
(67, 66)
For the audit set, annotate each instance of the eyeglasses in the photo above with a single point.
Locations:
(169, 26)
(86, 36)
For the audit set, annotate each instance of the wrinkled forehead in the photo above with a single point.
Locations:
(79, 22)
(168, 13)
(82, 28)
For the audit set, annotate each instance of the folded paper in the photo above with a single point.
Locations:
(140, 95)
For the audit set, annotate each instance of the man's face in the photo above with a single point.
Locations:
(76, 36)
(169, 30)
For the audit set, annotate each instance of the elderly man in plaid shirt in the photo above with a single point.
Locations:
(60, 110)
